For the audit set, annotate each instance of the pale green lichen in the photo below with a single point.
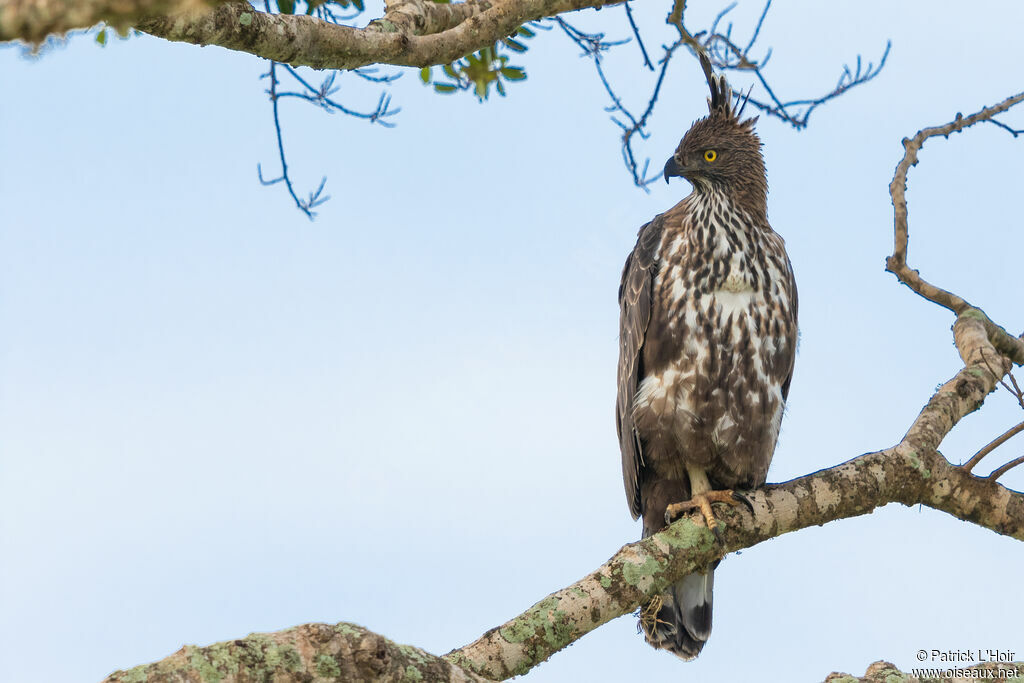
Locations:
(974, 313)
(327, 667)
(689, 537)
(543, 620)
(412, 653)
(136, 675)
(460, 660)
(346, 629)
(636, 574)
(245, 18)
(204, 667)
(222, 656)
(527, 625)
(413, 674)
(916, 463)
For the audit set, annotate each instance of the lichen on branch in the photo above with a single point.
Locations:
(33, 21)
(411, 32)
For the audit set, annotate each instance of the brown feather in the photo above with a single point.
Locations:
(707, 343)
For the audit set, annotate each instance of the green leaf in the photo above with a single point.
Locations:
(450, 71)
(425, 74)
(500, 87)
(481, 89)
(525, 32)
(514, 45)
(286, 6)
(101, 37)
(358, 4)
(513, 73)
(444, 87)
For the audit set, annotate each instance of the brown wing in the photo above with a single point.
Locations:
(794, 334)
(635, 293)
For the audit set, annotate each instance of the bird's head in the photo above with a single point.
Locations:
(721, 152)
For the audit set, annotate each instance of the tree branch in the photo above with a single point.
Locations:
(884, 672)
(1006, 343)
(411, 33)
(34, 20)
(338, 652)
(994, 444)
(912, 472)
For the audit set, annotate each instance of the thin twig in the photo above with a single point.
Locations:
(1012, 131)
(725, 55)
(1005, 468)
(636, 32)
(1016, 390)
(306, 206)
(996, 443)
(321, 97)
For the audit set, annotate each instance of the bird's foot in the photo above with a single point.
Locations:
(702, 502)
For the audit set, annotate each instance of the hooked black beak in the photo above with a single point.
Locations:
(672, 168)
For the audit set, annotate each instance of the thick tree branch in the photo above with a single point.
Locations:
(311, 652)
(34, 20)
(412, 33)
(912, 472)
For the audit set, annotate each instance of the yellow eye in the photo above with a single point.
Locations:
(710, 155)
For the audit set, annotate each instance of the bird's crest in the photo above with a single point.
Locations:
(721, 101)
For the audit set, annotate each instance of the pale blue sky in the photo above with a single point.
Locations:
(217, 417)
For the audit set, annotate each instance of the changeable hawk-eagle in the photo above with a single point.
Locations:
(708, 334)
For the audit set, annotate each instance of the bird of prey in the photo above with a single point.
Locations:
(707, 341)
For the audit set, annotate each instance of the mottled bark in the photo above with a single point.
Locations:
(884, 672)
(411, 32)
(912, 472)
(311, 652)
(34, 20)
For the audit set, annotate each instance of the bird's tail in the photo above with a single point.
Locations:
(679, 620)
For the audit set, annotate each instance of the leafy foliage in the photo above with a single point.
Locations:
(324, 9)
(479, 71)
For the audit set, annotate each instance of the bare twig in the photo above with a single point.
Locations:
(724, 54)
(636, 33)
(1015, 390)
(1006, 343)
(995, 443)
(1005, 468)
(321, 97)
(314, 200)
(1012, 131)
